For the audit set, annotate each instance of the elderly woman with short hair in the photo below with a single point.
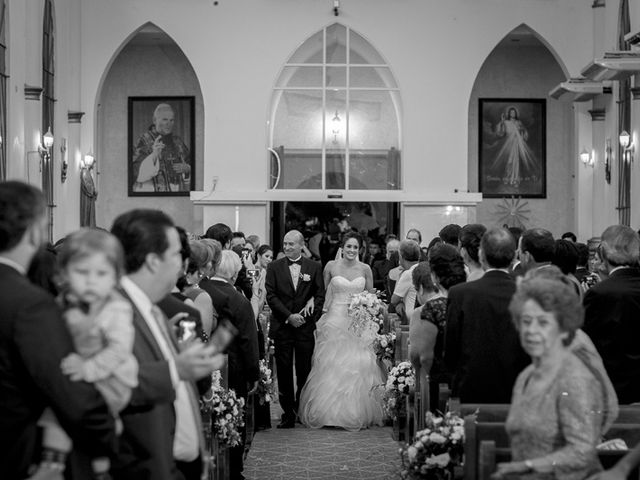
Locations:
(559, 406)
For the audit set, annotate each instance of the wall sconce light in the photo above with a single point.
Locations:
(45, 148)
(335, 127)
(89, 160)
(627, 145)
(336, 6)
(64, 163)
(587, 158)
(607, 160)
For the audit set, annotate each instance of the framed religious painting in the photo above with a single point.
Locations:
(161, 145)
(512, 148)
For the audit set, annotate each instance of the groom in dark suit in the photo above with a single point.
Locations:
(291, 282)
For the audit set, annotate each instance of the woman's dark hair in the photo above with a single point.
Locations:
(349, 235)
(447, 265)
(470, 237)
(566, 256)
(421, 276)
(262, 249)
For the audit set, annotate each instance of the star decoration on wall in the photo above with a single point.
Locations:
(513, 212)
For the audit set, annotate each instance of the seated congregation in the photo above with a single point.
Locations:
(149, 352)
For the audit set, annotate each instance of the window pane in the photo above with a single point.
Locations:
(374, 170)
(373, 120)
(374, 139)
(336, 44)
(336, 77)
(298, 119)
(301, 170)
(371, 77)
(361, 51)
(301, 77)
(298, 136)
(310, 51)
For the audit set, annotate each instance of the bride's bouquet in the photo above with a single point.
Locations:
(366, 312)
(226, 412)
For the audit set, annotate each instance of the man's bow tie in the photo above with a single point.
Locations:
(295, 262)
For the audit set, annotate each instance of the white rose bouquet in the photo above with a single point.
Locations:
(400, 383)
(436, 450)
(225, 412)
(366, 312)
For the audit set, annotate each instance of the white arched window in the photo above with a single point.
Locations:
(335, 117)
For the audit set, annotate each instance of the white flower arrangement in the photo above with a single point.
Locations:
(366, 312)
(435, 450)
(401, 382)
(384, 347)
(265, 384)
(226, 410)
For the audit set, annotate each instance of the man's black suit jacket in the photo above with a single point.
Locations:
(243, 351)
(284, 299)
(33, 341)
(612, 320)
(482, 348)
(146, 444)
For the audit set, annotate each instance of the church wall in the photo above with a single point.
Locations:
(238, 48)
(143, 70)
(529, 72)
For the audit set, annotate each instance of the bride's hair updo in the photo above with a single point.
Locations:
(349, 235)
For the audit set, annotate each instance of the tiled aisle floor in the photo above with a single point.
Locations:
(324, 454)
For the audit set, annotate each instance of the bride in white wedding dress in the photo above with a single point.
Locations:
(340, 388)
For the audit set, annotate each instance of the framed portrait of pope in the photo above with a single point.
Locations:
(161, 139)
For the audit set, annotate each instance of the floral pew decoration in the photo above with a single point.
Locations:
(397, 398)
(225, 413)
(436, 450)
(265, 392)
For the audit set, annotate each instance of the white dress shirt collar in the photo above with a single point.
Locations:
(13, 264)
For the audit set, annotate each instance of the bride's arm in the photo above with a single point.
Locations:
(368, 277)
(327, 274)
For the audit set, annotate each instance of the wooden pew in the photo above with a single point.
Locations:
(490, 455)
(497, 412)
(478, 432)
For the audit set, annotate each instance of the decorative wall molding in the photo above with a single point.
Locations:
(598, 115)
(598, 4)
(74, 117)
(32, 93)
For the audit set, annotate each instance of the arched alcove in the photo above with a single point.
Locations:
(149, 63)
(522, 68)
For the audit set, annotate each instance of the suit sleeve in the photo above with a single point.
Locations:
(271, 284)
(43, 341)
(318, 296)
(247, 340)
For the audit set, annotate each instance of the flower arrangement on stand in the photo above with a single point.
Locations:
(384, 347)
(400, 383)
(265, 384)
(434, 451)
(226, 412)
(366, 312)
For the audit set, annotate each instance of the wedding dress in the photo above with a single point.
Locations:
(340, 390)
